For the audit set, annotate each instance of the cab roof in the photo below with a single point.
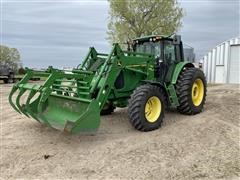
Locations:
(147, 38)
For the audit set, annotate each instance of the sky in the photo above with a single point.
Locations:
(59, 32)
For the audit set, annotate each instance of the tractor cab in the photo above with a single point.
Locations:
(168, 52)
(165, 49)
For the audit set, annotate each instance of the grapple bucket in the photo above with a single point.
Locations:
(63, 101)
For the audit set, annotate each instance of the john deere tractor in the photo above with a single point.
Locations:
(148, 78)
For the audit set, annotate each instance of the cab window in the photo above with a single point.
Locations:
(169, 51)
(150, 48)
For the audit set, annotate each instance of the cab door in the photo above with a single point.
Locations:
(171, 56)
(167, 60)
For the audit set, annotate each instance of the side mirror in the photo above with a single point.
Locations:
(176, 39)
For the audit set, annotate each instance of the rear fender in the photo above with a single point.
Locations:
(178, 69)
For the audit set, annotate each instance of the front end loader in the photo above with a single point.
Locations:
(149, 78)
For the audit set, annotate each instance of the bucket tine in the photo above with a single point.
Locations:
(14, 89)
(27, 106)
(22, 91)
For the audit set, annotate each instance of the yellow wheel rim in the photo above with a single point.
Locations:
(197, 92)
(153, 109)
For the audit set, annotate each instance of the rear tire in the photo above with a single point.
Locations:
(191, 91)
(146, 107)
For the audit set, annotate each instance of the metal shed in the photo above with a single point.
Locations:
(222, 63)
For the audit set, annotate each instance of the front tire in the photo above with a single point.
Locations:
(191, 91)
(146, 108)
(107, 109)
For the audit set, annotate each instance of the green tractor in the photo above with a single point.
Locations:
(148, 78)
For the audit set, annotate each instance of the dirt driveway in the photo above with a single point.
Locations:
(204, 146)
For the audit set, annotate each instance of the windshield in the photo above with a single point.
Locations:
(149, 47)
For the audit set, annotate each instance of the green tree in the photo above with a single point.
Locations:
(10, 56)
(136, 18)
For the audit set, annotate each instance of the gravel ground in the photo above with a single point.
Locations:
(204, 146)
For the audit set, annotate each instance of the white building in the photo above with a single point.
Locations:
(189, 54)
(222, 64)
